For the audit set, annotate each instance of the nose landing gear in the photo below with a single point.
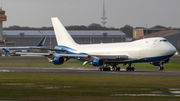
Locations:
(161, 66)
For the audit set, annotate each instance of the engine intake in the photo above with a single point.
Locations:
(58, 60)
(97, 62)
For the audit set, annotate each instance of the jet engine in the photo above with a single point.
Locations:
(166, 60)
(58, 60)
(97, 62)
(157, 63)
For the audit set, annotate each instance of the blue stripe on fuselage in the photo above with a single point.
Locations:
(158, 58)
(68, 50)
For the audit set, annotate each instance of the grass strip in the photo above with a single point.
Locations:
(47, 86)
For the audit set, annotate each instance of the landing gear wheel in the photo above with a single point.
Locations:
(100, 68)
(161, 68)
(132, 69)
(114, 68)
(104, 69)
(108, 69)
(118, 68)
(128, 69)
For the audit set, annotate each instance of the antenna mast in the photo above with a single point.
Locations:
(104, 13)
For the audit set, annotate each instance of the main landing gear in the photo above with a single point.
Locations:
(115, 68)
(129, 68)
(106, 68)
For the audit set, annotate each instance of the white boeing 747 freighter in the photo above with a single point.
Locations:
(155, 50)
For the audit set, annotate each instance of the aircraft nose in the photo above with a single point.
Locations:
(168, 49)
(172, 50)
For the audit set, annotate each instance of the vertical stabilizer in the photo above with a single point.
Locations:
(6, 50)
(41, 42)
(62, 36)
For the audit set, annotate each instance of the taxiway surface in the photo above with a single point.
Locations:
(88, 71)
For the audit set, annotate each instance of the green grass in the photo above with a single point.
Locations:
(39, 86)
(37, 62)
(80, 87)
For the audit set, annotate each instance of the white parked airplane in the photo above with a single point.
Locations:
(12, 50)
(155, 50)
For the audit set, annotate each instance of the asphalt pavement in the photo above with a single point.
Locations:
(87, 71)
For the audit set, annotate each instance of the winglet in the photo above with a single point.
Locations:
(6, 50)
(42, 41)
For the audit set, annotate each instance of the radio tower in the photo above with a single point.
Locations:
(104, 13)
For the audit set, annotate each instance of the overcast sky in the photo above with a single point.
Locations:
(137, 13)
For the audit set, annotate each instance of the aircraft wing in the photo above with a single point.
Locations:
(22, 53)
(77, 55)
(124, 57)
(111, 56)
(47, 54)
(47, 49)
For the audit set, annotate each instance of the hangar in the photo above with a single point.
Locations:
(32, 37)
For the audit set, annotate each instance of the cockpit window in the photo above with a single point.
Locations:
(163, 40)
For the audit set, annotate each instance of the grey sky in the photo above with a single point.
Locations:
(137, 13)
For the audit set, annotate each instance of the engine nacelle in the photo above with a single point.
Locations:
(58, 60)
(166, 61)
(97, 62)
(156, 63)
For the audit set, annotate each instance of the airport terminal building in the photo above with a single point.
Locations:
(32, 37)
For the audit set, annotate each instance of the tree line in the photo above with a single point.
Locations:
(127, 29)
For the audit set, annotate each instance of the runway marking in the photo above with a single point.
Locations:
(143, 95)
(4, 70)
(156, 92)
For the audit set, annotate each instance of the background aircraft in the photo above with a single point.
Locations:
(12, 50)
(156, 50)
